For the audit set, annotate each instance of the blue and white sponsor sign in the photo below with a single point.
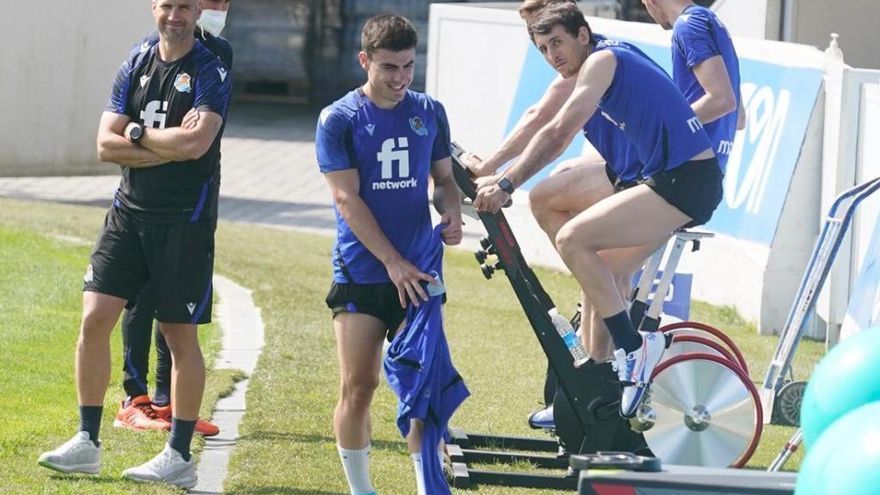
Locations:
(779, 102)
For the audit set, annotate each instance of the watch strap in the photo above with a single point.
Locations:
(506, 185)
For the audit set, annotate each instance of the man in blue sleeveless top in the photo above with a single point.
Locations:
(378, 146)
(705, 68)
(576, 183)
(160, 229)
(680, 182)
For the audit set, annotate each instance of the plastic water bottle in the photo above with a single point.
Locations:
(563, 326)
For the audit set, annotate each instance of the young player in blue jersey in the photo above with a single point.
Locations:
(160, 229)
(378, 146)
(680, 182)
(705, 68)
(138, 411)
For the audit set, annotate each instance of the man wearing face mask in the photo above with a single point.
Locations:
(138, 411)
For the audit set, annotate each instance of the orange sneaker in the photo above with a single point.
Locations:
(204, 428)
(139, 415)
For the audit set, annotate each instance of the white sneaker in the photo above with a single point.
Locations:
(635, 369)
(167, 467)
(77, 455)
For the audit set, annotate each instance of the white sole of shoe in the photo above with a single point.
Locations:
(126, 426)
(76, 469)
(184, 483)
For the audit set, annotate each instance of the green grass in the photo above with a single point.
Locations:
(40, 304)
(287, 443)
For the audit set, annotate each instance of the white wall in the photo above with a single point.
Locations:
(59, 59)
(842, 137)
(855, 20)
(863, 309)
(747, 18)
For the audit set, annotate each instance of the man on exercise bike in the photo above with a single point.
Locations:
(679, 184)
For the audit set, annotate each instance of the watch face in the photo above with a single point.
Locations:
(505, 185)
(136, 132)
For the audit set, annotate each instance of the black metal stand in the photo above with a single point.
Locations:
(587, 398)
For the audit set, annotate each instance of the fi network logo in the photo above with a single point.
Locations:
(394, 151)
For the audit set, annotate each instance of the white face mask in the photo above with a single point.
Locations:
(212, 21)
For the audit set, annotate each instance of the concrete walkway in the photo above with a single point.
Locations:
(243, 341)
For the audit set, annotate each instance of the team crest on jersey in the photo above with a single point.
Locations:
(182, 83)
(418, 126)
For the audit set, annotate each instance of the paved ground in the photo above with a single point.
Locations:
(270, 177)
(269, 173)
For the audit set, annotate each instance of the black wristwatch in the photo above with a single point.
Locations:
(136, 133)
(506, 185)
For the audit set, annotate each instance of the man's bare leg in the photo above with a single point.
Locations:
(649, 220)
(100, 313)
(187, 369)
(359, 350)
(623, 263)
(573, 187)
(82, 453)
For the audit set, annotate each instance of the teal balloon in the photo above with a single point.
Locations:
(846, 458)
(845, 379)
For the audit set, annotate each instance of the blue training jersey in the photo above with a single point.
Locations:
(644, 103)
(698, 35)
(618, 151)
(159, 94)
(392, 151)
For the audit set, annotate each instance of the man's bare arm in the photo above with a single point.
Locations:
(447, 200)
(113, 147)
(720, 98)
(592, 82)
(741, 115)
(345, 186)
(536, 117)
(181, 143)
(594, 79)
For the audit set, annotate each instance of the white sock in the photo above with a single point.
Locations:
(356, 464)
(420, 477)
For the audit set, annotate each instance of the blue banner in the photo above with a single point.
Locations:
(779, 102)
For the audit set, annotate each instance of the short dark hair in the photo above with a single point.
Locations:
(531, 7)
(567, 15)
(389, 32)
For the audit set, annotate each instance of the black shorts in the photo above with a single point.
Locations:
(177, 259)
(616, 182)
(695, 188)
(378, 300)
